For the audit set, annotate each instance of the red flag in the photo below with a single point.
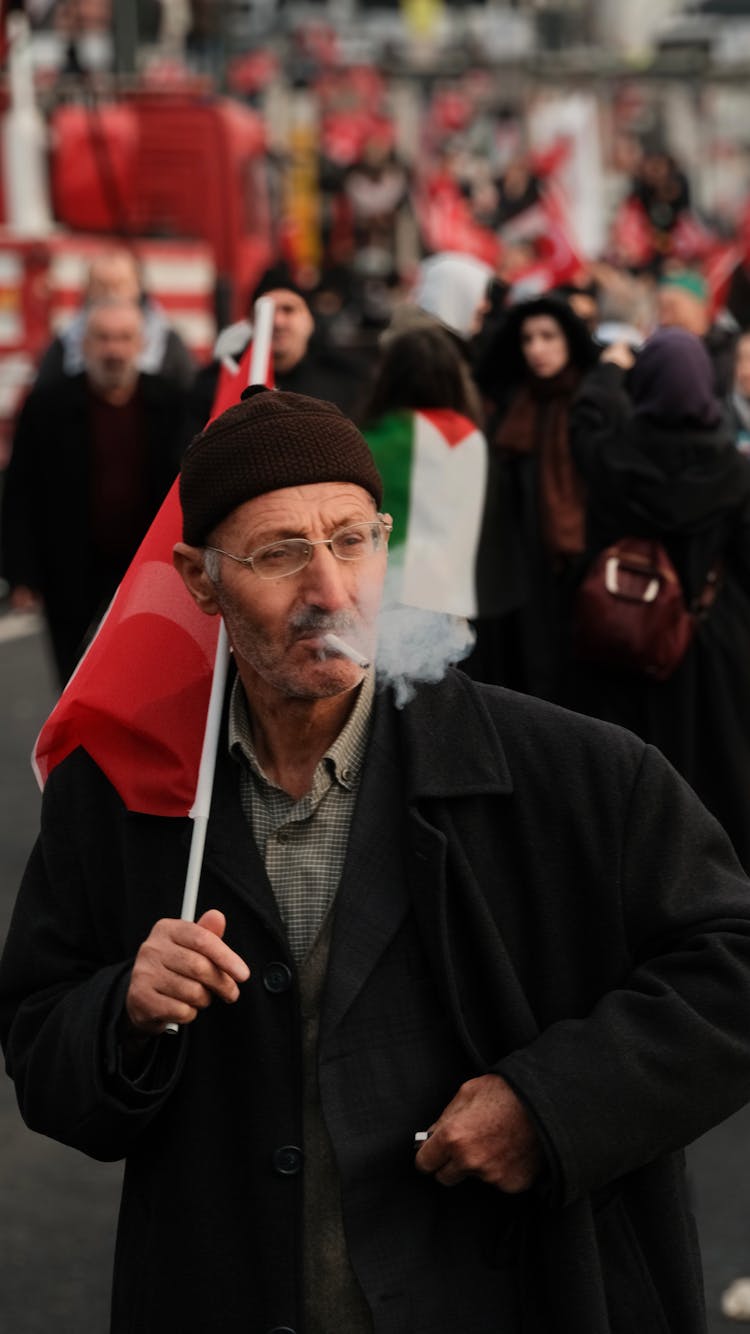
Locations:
(632, 241)
(556, 247)
(231, 382)
(545, 226)
(138, 699)
(446, 222)
(718, 268)
(137, 702)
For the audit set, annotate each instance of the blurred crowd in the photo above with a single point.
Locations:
(611, 393)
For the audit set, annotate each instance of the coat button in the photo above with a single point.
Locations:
(277, 978)
(287, 1160)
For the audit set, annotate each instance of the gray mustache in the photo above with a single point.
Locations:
(319, 622)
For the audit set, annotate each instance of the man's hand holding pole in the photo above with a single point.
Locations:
(179, 969)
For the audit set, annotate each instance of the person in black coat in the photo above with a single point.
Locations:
(683, 302)
(116, 273)
(93, 456)
(301, 363)
(533, 532)
(496, 952)
(660, 461)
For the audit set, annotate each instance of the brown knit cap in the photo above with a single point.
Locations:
(269, 440)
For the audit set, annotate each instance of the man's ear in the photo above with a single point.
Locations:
(188, 562)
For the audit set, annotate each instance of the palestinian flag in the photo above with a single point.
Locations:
(434, 469)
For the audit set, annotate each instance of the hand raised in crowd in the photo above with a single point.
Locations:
(179, 969)
(620, 354)
(484, 1132)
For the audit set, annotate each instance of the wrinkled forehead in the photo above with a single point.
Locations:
(301, 509)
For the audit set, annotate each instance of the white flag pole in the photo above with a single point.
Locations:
(199, 813)
(202, 805)
(258, 371)
(262, 333)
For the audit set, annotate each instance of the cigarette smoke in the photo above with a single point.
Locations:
(418, 646)
(414, 645)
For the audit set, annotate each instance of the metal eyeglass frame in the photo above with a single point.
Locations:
(305, 546)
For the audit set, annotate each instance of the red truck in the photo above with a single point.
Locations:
(180, 176)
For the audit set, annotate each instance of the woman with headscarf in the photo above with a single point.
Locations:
(660, 462)
(454, 288)
(534, 529)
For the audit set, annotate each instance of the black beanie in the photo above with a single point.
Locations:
(268, 441)
(279, 278)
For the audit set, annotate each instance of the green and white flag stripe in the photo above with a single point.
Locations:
(434, 470)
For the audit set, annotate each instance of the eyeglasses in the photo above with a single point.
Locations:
(357, 542)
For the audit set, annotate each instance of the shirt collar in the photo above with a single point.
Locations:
(343, 757)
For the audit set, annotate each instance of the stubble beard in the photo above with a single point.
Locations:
(274, 664)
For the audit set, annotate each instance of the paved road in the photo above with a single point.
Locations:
(57, 1212)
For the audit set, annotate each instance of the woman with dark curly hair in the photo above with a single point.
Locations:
(423, 365)
(535, 518)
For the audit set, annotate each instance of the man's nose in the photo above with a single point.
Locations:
(324, 581)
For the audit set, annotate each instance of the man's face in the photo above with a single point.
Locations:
(679, 309)
(275, 626)
(112, 345)
(292, 329)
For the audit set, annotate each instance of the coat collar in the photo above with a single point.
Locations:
(373, 897)
(443, 744)
(451, 747)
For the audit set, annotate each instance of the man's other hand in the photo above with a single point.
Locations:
(179, 969)
(484, 1132)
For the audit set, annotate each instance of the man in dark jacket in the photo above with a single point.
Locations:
(115, 273)
(302, 364)
(93, 457)
(480, 919)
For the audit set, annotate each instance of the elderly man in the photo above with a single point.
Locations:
(93, 456)
(500, 967)
(682, 302)
(115, 273)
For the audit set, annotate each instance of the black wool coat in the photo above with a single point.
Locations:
(45, 530)
(526, 891)
(688, 487)
(523, 645)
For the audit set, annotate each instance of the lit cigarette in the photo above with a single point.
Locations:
(346, 650)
